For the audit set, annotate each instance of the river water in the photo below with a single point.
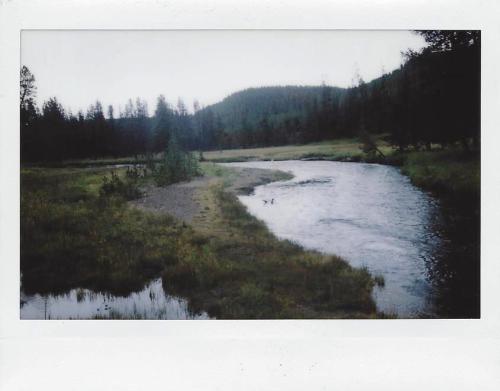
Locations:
(369, 214)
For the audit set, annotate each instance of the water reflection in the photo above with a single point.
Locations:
(150, 303)
(369, 214)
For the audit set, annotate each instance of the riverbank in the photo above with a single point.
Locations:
(448, 172)
(198, 237)
(340, 149)
(224, 262)
(252, 274)
(335, 150)
(454, 177)
(451, 175)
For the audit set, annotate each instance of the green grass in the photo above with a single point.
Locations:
(243, 271)
(452, 173)
(340, 149)
(73, 237)
(227, 263)
(233, 267)
(95, 163)
(454, 176)
(217, 170)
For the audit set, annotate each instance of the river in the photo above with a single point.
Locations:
(368, 214)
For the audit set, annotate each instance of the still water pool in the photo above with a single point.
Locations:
(150, 303)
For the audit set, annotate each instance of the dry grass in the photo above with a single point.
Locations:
(329, 150)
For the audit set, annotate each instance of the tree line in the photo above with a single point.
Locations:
(433, 98)
(55, 134)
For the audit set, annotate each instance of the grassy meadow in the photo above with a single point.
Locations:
(227, 263)
(74, 236)
(450, 172)
(79, 231)
(340, 149)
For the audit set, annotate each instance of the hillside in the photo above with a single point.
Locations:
(247, 108)
(432, 98)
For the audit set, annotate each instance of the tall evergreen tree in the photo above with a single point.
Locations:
(162, 124)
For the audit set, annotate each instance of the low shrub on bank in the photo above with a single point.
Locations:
(177, 165)
(128, 188)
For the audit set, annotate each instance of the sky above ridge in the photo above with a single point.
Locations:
(79, 67)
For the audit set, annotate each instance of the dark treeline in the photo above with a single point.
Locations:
(52, 134)
(434, 97)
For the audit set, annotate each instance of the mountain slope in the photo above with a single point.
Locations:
(248, 107)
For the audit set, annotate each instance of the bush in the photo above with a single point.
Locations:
(176, 166)
(369, 146)
(128, 188)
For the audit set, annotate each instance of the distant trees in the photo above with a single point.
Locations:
(53, 118)
(162, 124)
(28, 88)
(184, 126)
(54, 134)
(433, 98)
(441, 85)
(28, 112)
(209, 131)
(448, 40)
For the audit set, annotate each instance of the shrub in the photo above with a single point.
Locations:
(128, 188)
(176, 166)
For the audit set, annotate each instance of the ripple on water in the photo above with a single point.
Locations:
(369, 214)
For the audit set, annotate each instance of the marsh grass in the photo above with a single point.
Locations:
(453, 173)
(127, 187)
(75, 236)
(243, 271)
(347, 149)
(340, 149)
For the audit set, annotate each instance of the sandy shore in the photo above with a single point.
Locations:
(185, 200)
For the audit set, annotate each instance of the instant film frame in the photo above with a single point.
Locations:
(410, 354)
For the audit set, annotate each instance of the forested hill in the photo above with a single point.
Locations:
(249, 107)
(433, 98)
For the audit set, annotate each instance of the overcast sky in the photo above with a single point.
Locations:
(79, 67)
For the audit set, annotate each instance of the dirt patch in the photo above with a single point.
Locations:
(189, 201)
(179, 200)
(246, 179)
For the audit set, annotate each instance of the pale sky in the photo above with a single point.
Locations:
(79, 67)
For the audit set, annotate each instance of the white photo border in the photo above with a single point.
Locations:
(227, 355)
